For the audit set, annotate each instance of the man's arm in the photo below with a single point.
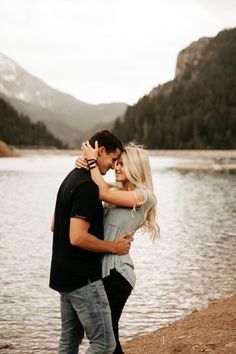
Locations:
(80, 237)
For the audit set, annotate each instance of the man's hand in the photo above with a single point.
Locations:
(122, 243)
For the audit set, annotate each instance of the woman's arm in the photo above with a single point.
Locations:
(109, 195)
(81, 162)
(115, 196)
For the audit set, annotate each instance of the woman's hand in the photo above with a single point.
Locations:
(81, 162)
(89, 152)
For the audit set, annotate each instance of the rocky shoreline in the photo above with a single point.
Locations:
(210, 330)
(6, 151)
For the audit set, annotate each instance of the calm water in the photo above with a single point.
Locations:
(193, 263)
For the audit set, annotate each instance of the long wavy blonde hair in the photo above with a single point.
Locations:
(138, 171)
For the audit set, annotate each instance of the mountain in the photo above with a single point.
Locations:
(66, 117)
(18, 130)
(196, 110)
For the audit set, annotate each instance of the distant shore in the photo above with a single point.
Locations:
(171, 153)
(202, 160)
(210, 330)
(210, 160)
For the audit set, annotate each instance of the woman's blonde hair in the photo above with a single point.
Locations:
(138, 171)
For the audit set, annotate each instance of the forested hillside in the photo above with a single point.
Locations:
(17, 129)
(197, 110)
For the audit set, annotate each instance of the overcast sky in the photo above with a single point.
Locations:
(107, 50)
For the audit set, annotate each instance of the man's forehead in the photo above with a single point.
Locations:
(115, 154)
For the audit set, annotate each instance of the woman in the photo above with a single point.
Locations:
(130, 205)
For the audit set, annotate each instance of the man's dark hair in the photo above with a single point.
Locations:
(107, 139)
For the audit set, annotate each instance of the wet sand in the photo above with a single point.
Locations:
(211, 330)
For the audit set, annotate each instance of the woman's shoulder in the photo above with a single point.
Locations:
(146, 196)
(147, 193)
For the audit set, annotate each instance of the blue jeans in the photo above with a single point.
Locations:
(86, 310)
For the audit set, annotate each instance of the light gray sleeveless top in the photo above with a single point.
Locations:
(118, 220)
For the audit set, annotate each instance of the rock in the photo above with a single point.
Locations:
(190, 56)
(6, 151)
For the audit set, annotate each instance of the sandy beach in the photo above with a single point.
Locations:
(210, 330)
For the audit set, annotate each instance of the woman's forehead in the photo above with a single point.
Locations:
(119, 159)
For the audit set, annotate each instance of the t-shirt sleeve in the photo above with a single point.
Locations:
(85, 201)
(146, 194)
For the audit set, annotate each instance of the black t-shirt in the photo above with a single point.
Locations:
(71, 266)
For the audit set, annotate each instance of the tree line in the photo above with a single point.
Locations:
(196, 111)
(17, 129)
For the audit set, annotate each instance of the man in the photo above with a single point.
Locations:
(76, 258)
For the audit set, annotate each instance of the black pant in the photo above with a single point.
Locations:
(118, 290)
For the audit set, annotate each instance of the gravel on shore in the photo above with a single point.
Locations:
(210, 330)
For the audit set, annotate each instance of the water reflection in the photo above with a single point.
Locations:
(193, 263)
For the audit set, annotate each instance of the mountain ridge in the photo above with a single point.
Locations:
(64, 115)
(196, 110)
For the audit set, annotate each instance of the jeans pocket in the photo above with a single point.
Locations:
(79, 299)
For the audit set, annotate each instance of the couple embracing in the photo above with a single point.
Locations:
(91, 267)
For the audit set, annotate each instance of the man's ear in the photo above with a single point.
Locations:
(101, 150)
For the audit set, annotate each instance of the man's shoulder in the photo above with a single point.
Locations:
(78, 175)
(80, 178)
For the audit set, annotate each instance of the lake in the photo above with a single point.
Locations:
(193, 263)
